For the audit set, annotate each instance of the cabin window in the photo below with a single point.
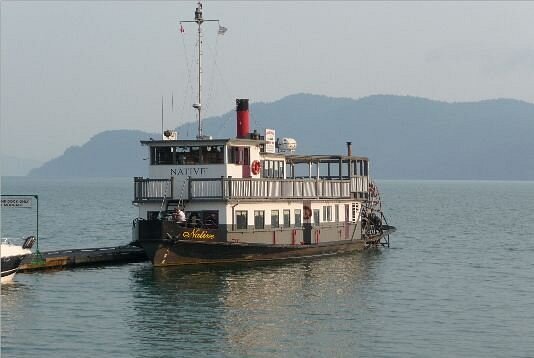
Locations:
(316, 216)
(298, 218)
(208, 219)
(241, 218)
(161, 155)
(275, 222)
(212, 154)
(270, 169)
(259, 219)
(211, 219)
(355, 207)
(327, 213)
(194, 218)
(152, 215)
(273, 168)
(187, 155)
(337, 213)
(239, 155)
(287, 218)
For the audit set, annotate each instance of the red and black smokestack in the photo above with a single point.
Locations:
(243, 119)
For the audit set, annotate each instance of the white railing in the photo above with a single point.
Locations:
(359, 184)
(152, 189)
(234, 188)
(237, 188)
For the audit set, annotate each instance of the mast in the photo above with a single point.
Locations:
(199, 20)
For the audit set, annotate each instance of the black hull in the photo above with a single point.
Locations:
(10, 264)
(186, 252)
(167, 244)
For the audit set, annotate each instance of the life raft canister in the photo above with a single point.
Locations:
(255, 167)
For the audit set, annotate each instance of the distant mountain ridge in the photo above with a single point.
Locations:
(115, 153)
(405, 137)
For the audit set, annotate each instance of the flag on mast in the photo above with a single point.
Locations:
(222, 30)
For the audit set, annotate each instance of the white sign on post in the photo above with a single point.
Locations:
(17, 203)
(270, 137)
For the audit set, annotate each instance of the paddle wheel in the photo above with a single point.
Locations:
(374, 223)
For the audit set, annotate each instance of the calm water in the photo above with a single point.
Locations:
(458, 281)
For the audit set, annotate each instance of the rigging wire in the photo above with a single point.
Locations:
(211, 84)
(227, 90)
(189, 84)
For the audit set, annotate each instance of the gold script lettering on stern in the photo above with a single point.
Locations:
(198, 234)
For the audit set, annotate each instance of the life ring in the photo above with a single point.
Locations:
(255, 167)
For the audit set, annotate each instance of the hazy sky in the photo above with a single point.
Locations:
(70, 70)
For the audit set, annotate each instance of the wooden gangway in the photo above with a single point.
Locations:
(59, 259)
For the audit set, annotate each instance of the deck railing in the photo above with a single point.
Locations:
(237, 188)
(359, 184)
(152, 189)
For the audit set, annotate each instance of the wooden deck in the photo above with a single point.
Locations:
(82, 257)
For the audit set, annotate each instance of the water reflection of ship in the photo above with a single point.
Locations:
(247, 309)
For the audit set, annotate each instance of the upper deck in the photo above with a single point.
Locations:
(227, 175)
(249, 167)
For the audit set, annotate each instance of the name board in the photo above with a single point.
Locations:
(190, 171)
(270, 137)
(17, 203)
(198, 234)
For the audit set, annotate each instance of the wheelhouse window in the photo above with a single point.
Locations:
(241, 218)
(275, 222)
(298, 218)
(239, 155)
(187, 155)
(287, 218)
(259, 219)
(212, 154)
(161, 155)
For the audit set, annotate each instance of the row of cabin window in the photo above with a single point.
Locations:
(272, 168)
(205, 218)
(259, 217)
(187, 155)
(192, 155)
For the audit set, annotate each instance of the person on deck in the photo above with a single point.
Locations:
(179, 216)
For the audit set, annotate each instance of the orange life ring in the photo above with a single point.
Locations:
(255, 167)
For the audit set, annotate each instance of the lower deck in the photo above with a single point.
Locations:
(304, 234)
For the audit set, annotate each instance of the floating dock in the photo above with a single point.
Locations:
(82, 257)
